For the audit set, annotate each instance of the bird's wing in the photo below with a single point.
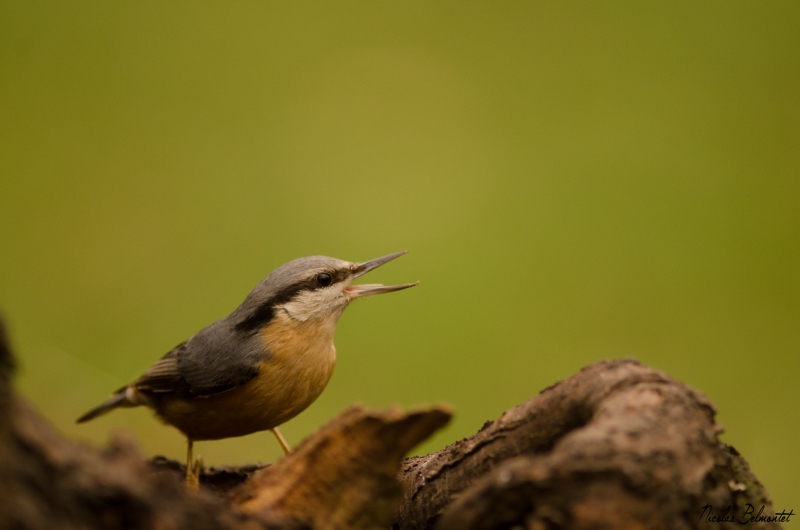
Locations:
(206, 364)
(218, 359)
(164, 376)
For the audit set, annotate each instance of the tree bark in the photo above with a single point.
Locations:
(345, 475)
(618, 445)
(47, 482)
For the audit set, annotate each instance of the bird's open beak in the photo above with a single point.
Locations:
(358, 291)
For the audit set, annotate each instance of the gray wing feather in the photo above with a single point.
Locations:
(214, 360)
(164, 376)
(220, 358)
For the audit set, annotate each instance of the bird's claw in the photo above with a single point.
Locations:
(193, 474)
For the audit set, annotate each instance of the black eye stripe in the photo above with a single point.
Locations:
(264, 313)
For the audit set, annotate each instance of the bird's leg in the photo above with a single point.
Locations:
(192, 468)
(281, 441)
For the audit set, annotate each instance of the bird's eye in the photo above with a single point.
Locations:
(324, 279)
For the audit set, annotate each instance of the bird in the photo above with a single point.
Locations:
(258, 367)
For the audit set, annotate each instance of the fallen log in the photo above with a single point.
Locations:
(616, 445)
(345, 475)
(48, 482)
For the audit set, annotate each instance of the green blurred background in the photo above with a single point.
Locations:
(575, 182)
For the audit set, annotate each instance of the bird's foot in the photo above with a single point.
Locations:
(193, 474)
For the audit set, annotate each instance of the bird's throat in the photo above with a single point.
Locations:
(308, 345)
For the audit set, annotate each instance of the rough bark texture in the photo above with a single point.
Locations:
(47, 482)
(345, 475)
(618, 445)
(342, 477)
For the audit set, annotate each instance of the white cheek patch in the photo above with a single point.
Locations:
(317, 304)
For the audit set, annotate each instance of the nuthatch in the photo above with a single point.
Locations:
(261, 365)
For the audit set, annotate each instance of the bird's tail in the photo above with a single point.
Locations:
(117, 400)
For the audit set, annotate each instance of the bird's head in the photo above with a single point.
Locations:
(312, 288)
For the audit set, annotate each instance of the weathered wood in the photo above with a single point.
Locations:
(342, 477)
(345, 475)
(48, 482)
(217, 480)
(618, 445)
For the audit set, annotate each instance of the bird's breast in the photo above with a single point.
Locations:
(294, 373)
(299, 365)
(299, 345)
